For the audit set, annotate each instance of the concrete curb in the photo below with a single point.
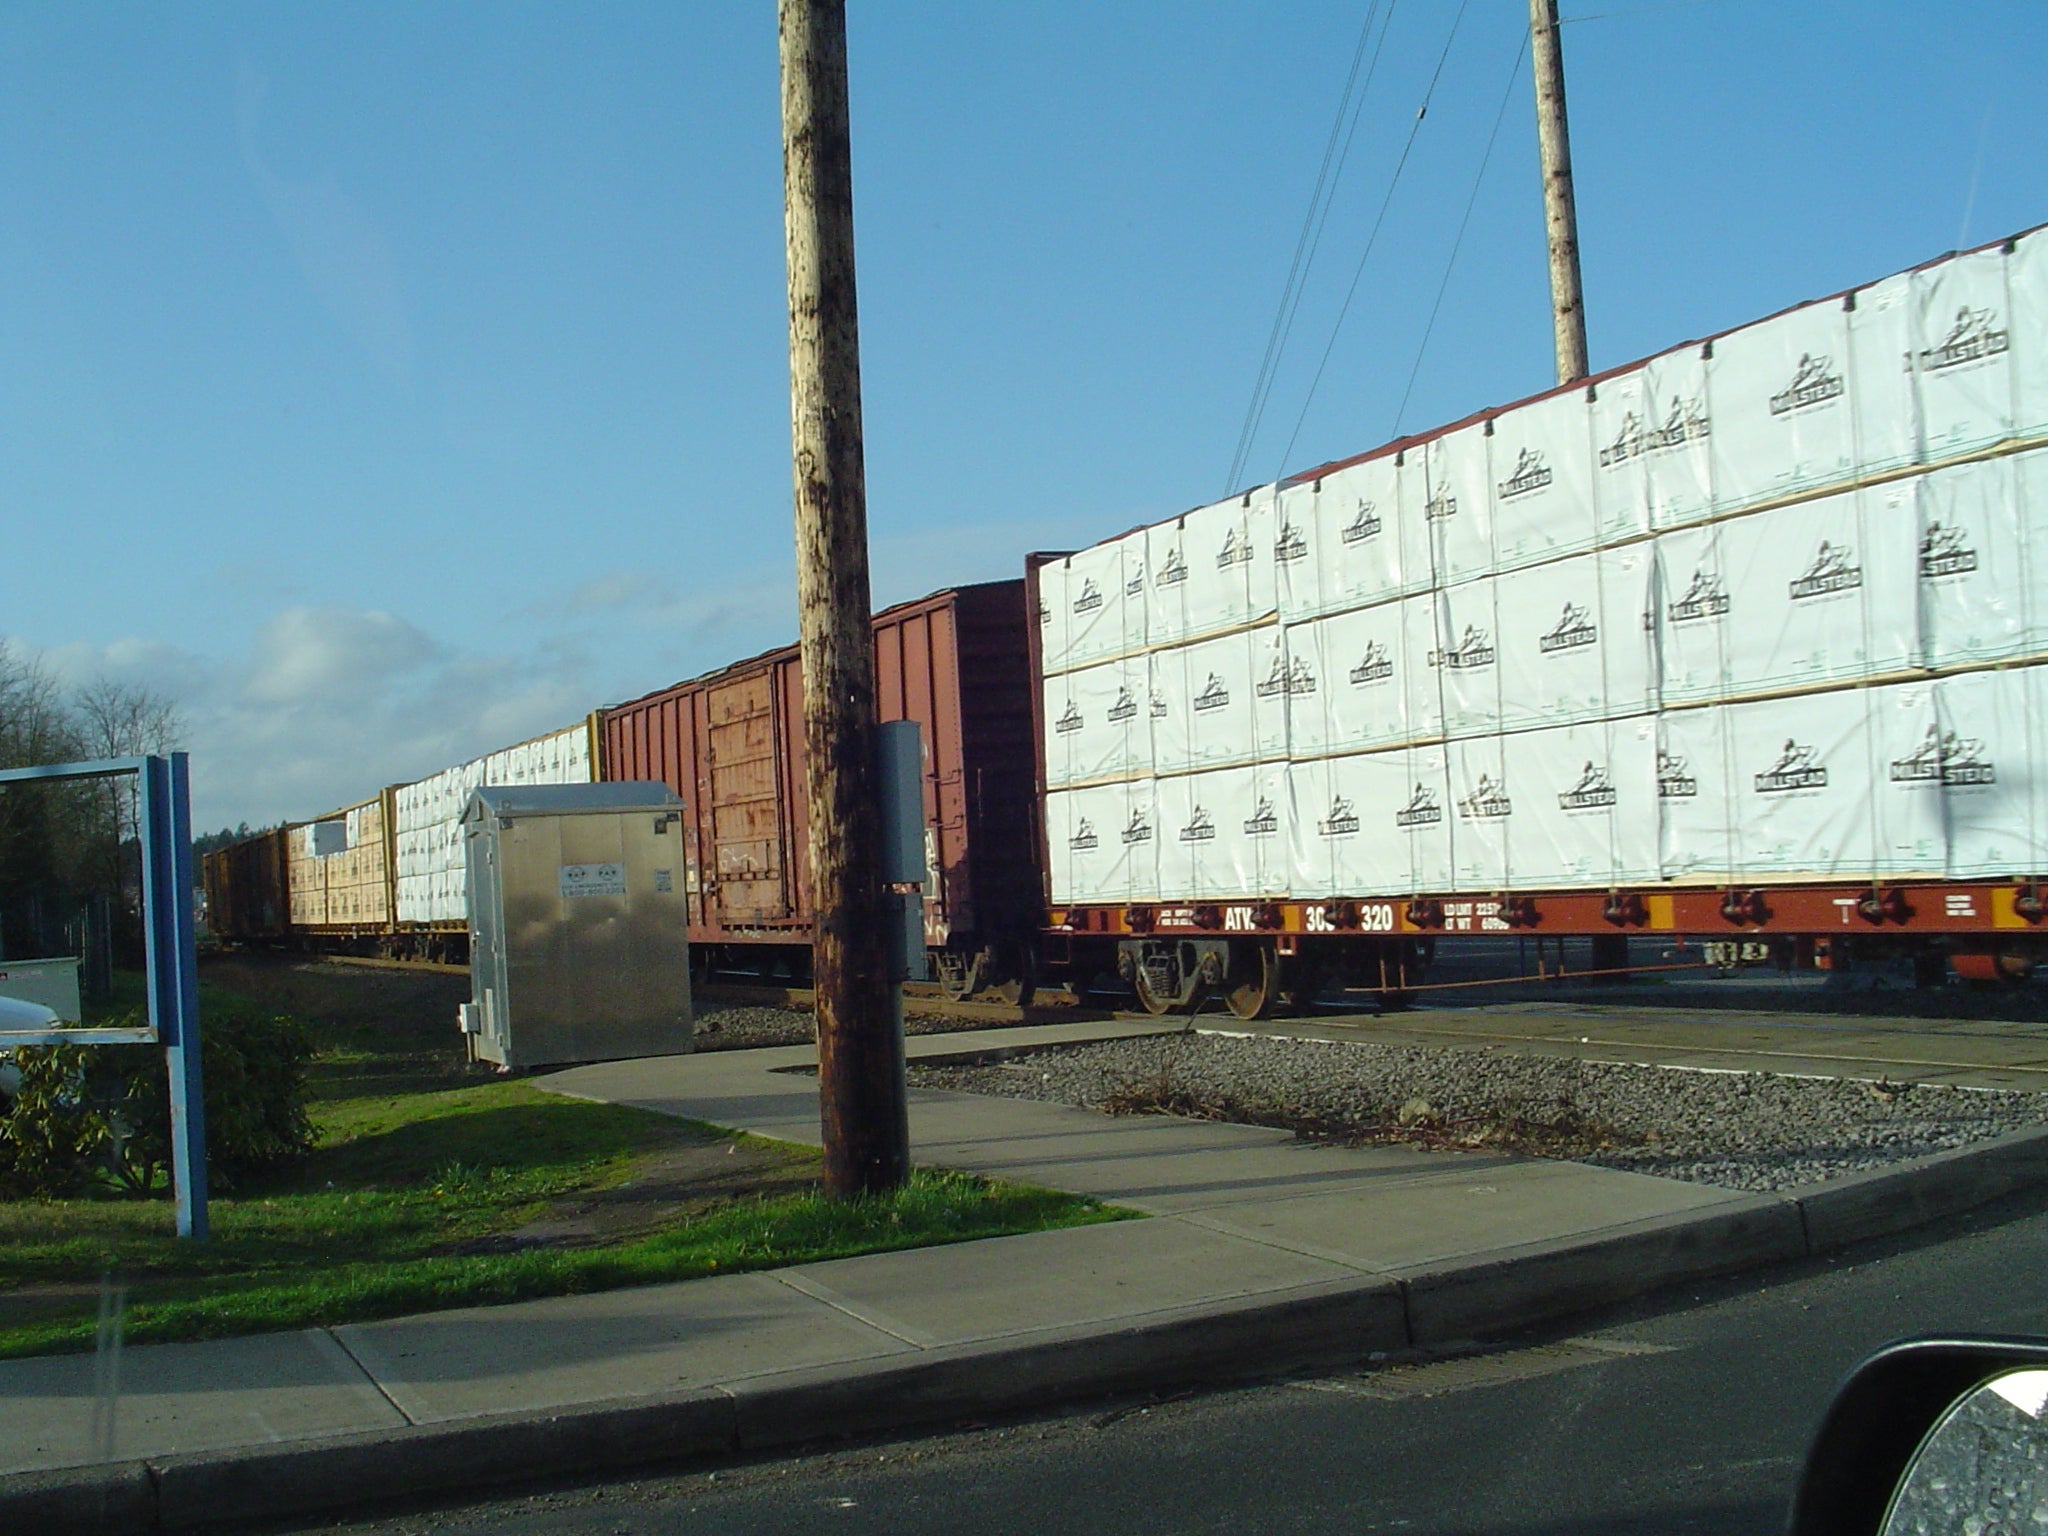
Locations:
(1319, 1326)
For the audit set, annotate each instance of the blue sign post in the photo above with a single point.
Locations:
(164, 817)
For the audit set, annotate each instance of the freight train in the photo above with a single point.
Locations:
(1742, 646)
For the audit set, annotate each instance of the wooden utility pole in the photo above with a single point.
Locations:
(861, 1098)
(1560, 211)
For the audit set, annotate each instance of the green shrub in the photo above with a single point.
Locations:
(91, 1114)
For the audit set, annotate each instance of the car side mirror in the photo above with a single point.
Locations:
(1933, 1435)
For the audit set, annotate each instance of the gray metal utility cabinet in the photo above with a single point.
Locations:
(578, 933)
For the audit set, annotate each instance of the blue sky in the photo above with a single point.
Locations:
(387, 383)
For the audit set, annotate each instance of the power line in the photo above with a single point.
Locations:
(1507, 92)
(1359, 272)
(1310, 239)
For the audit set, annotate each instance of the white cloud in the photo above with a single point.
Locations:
(310, 655)
(329, 705)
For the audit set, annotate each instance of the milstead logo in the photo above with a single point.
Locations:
(1200, 828)
(1364, 525)
(1212, 696)
(1531, 474)
(1674, 778)
(1422, 809)
(1441, 506)
(1831, 572)
(1287, 678)
(1686, 423)
(1574, 629)
(1811, 385)
(1158, 705)
(1090, 598)
(1235, 551)
(1125, 707)
(1947, 759)
(1069, 722)
(1377, 666)
(1705, 598)
(1475, 650)
(1134, 584)
(1487, 802)
(1973, 337)
(1044, 614)
(1084, 837)
(1593, 792)
(1797, 767)
(1173, 570)
(1138, 829)
(1262, 822)
(1342, 820)
(1290, 545)
(1945, 551)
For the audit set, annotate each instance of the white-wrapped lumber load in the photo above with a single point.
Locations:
(1974, 561)
(1102, 843)
(1882, 395)
(1543, 504)
(1372, 822)
(2026, 280)
(1227, 549)
(1223, 833)
(1369, 547)
(1992, 730)
(1961, 361)
(433, 879)
(1373, 683)
(1466, 658)
(1821, 591)
(1764, 608)
(1447, 487)
(1778, 395)
(1584, 805)
(1572, 640)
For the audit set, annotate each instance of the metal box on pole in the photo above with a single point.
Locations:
(579, 944)
(899, 751)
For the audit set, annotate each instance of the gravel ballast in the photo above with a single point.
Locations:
(1736, 1130)
(730, 1026)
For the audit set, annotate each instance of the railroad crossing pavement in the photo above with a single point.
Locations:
(1963, 1053)
(1261, 1255)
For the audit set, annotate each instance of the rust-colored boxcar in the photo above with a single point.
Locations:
(247, 897)
(731, 744)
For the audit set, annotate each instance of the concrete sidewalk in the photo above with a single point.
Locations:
(1261, 1255)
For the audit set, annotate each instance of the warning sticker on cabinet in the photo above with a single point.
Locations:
(593, 880)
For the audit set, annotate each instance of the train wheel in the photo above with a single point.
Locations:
(1149, 1000)
(1393, 1000)
(1022, 983)
(1252, 986)
(959, 973)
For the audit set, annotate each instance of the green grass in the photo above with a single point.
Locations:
(424, 1172)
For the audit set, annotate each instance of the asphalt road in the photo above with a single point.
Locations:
(1685, 1414)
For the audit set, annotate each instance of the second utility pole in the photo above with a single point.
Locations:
(1560, 208)
(861, 1097)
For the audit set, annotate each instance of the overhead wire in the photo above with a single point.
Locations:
(1372, 238)
(1507, 94)
(1310, 239)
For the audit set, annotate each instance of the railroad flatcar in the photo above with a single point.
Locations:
(1744, 645)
